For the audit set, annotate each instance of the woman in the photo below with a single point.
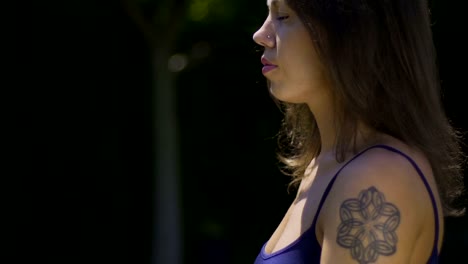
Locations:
(365, 138)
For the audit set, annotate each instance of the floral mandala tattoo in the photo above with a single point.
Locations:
(368, 226)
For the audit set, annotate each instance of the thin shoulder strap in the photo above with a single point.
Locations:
(330, 185)
(423, 178)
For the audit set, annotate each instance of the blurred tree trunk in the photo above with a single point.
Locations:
(161, 25)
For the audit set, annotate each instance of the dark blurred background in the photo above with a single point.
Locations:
(149, 133)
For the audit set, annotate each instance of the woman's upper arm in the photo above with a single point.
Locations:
(374, 214)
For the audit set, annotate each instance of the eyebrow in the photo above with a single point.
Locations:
(272, 3)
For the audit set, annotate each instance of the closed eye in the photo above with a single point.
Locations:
(280, 18)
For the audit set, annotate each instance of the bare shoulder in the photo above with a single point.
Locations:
(396, 172)
(377, 211)
(393, 173)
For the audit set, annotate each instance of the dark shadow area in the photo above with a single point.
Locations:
(87, 138)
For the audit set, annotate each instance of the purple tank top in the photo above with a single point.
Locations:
(306, 248)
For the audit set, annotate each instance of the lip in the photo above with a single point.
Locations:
(267, 65)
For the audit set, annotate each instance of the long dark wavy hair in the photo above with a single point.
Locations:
(382, 63)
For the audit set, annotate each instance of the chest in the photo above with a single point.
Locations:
(303, 213)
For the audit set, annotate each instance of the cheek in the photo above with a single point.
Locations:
(308, 67)
(302, 69)
(298, 54)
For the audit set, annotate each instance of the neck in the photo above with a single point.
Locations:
(322, 109)
(326, 119)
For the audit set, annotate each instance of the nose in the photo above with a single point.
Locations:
(264, 36)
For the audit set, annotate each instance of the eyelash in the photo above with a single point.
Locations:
(281, 18)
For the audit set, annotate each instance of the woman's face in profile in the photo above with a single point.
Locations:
(290, 61)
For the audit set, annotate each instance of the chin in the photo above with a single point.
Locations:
(284, 95)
